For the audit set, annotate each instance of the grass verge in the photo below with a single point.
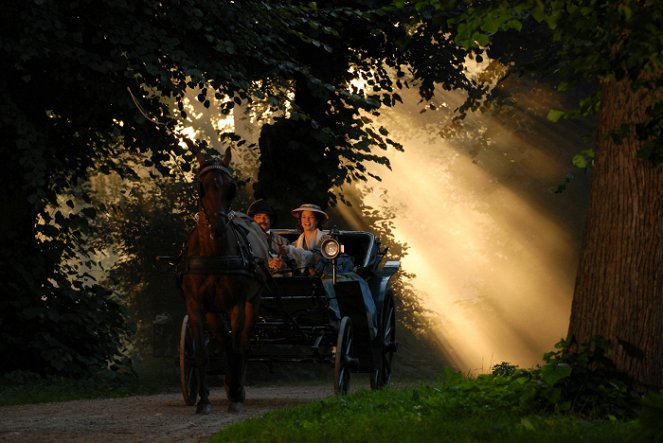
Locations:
(429, 413)
(24, 387)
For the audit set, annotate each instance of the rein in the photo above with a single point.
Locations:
(215, 265)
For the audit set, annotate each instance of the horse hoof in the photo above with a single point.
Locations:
(236, 407)
(204, 409)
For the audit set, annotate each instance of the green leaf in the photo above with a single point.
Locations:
(583, 159)
(481, 38)
(579, 161)
(526, 423)
(554, 372)
(554, 115)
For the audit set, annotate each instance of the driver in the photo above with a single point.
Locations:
(265, 216)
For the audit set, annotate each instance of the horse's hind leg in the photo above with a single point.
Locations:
(234, 384)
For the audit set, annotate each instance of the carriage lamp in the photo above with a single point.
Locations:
(330, 248)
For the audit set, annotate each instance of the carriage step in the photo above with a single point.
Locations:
(352, 362)
(391, 347)
(316, 344)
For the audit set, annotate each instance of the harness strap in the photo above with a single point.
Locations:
(249, 260)
(212, 166)
(245, 264)
(214, 265)
(242, 238)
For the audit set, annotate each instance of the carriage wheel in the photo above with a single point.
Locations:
(344, 362)
(189, 374)
(381, 375)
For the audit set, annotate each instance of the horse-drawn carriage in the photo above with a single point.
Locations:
(344, 314)
(347, 320)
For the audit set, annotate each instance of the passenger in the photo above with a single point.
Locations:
(310, 220)
(306, 252)
(265, 216)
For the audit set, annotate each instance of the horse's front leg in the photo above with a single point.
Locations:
(234, 383)
(242, 319)
(201, 358)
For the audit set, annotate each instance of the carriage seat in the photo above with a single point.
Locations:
(362, 247)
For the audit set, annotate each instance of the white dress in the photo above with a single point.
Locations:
(301, 253)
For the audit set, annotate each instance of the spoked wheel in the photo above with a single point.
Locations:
(381, 375)
(189, 374)
(344, 361)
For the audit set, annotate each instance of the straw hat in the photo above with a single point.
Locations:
(309, 207)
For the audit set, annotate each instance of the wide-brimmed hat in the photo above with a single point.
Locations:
(309, 207)
(261, 206)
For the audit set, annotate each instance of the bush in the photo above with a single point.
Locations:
(578, 379)
(69, 331)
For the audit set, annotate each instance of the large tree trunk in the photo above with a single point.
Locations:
(619, 286)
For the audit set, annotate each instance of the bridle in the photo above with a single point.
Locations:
(222, 214)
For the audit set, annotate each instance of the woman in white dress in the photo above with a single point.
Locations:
(310, 220)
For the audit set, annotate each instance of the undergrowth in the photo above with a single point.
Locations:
(572, 396)
(582, 382)
(22, 387)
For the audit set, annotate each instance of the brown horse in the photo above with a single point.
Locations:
(222, 274)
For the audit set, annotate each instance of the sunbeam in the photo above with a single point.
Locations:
(493, 250)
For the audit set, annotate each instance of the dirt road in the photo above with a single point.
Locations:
(155, 418)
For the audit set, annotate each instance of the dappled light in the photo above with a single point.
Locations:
(493, 249)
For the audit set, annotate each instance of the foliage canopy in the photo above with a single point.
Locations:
(586, 43)
(92, 83)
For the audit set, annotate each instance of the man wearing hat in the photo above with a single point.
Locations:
(265, 216)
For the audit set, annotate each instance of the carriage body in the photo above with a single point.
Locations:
(311, 318)
(347, 322)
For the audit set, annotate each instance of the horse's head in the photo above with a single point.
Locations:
(216, 190)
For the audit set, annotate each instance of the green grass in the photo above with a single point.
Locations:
(427, 413)
(24, 388)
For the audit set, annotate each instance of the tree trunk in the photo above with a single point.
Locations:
(619, 286)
